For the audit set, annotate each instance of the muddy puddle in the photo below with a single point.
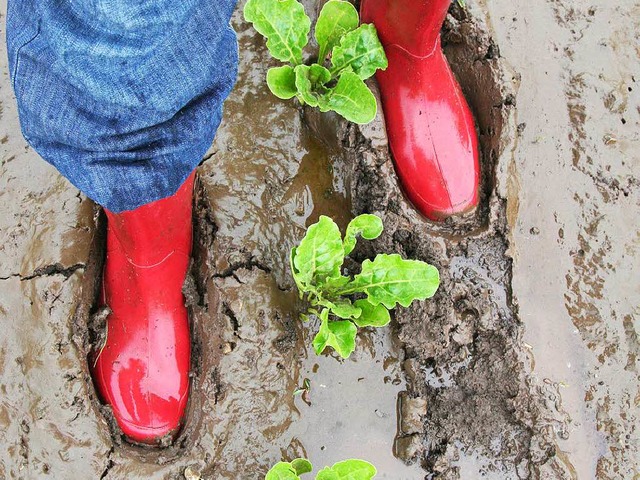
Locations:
(483, 381)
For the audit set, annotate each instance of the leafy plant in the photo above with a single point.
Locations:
(345, 470)
(355, 53)
(388, 280)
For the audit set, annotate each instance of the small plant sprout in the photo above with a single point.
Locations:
(344, 303)
(349, 53)
(345, 470)
(304, 391)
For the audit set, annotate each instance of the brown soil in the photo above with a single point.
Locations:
(539, 272)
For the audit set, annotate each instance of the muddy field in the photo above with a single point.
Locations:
(524, 364)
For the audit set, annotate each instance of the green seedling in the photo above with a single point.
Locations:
(346, 470)
(304, 391)
(349, 53)
(344, 303)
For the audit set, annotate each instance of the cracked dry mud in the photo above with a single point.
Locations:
(524, 365)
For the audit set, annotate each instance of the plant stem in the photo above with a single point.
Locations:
(322, 56)
(348, 291)
(335, 73)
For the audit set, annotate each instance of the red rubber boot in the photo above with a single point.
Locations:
(143, 369)
(430, 127)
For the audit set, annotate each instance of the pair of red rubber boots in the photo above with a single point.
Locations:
(142, 371)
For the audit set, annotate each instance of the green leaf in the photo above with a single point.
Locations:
(352, 99)
(359, 51)
(282, 82)
(297, 277)
(336, 18)
(390, 279)
(342, 308)
(327, 474)
(371, 315)
(285, 25)
(367, 225)
(302, 465)
(321, 339)
(335, 283)
(282, 471)
(341, 336)
(320, 253)
(354, 470)
(309, 82)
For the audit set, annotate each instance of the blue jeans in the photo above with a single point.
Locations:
(123, 97)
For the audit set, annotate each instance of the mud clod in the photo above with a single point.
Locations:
(191, 474)
(409, 448)
(98, 326)
(412, 414)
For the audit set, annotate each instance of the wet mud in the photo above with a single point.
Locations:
(263, 182)
(519, 367)
(484, 415)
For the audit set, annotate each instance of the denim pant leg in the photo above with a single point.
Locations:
(123, 97)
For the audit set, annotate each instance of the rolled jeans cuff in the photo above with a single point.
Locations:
(123, 98)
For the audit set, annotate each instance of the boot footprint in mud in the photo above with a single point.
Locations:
(142, 369)
(431, 130)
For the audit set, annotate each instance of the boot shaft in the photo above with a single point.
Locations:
(148, 234)
(413, 25)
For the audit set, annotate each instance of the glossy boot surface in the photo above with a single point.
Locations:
(430, 127)
(143, 369)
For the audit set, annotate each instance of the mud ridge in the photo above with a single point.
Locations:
(465, 359)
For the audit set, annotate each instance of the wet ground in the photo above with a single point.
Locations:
(524, 365)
